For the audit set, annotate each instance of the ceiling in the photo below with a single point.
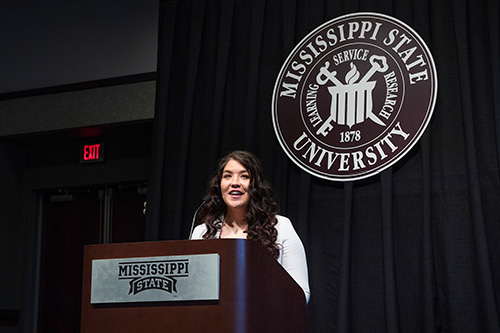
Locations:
(57, 42)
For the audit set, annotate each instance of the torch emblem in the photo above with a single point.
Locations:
(351, 102)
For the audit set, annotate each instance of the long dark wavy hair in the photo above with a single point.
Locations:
(262, 207)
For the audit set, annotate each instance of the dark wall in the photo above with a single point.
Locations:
(50, 102)
(42, 153)
(86, 104)
(11, 226)
(53, 160)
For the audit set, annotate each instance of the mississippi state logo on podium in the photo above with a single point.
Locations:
(354, 96)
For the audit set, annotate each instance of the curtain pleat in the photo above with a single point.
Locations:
(390, 289)
(344, 298)
(193, 63)
(304, 207)
(487, 303)
(493, 10)
(255, 30)
(224, 33)
(155, 198)
(427, 268)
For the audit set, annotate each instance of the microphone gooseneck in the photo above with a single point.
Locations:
(203, 203)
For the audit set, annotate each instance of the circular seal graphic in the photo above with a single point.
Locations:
(354, 96)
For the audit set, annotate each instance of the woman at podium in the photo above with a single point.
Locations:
(241, 204)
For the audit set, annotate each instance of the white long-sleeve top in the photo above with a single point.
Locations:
(292, 255)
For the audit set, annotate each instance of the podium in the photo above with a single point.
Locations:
(255, 294)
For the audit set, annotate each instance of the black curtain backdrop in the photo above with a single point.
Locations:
(414, 249)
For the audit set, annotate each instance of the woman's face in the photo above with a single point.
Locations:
(234, 185)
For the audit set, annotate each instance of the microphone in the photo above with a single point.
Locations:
(203, 203)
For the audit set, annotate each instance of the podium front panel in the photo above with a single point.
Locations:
(255, 293)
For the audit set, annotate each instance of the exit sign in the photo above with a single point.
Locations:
(92, 153)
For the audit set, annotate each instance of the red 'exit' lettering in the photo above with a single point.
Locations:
(91, 152)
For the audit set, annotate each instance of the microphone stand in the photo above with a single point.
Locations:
(204, 202)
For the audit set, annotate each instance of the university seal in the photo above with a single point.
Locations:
(354, 96)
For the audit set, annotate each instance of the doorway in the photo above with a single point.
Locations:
(71, 219)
